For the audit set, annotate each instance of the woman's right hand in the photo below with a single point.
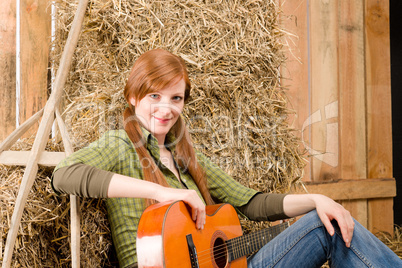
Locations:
(123, 186)
(190, 197)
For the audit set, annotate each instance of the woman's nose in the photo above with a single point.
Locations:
(164, 108)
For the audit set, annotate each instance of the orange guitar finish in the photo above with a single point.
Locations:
(161, 237)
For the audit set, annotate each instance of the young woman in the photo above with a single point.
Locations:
(152, 160)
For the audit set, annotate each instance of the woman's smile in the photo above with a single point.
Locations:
(159, 111)
(162, 120)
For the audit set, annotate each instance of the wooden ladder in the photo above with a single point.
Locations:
(37, 155)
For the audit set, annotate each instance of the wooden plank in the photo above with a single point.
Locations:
(379, 132)
(352, 109)
(324, 90)
(378, 89)
(354, 189)
(20, 158)
(295, 71)
(7, 68)
(381, 212)
(35, 47)
(352, 91)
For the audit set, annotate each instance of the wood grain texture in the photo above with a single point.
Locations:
(347, 109)
(20, 158)
(381, 215)
(324, 89)
(349, 189)
(296, 70)
(378, 75)
(379, 123)
(352, 105)
(7, 68)
(35, 47)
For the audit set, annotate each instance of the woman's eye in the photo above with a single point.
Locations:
(177, 98)
(154, 96)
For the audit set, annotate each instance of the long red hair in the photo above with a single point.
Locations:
(153, 71)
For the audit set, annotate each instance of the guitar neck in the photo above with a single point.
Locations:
(247, 244)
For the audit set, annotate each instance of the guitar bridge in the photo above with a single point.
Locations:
(192, 251)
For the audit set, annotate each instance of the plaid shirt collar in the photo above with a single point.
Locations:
(152, 143)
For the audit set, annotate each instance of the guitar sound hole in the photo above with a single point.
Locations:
(220, 253)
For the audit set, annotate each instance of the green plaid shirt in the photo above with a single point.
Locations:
(115, 152)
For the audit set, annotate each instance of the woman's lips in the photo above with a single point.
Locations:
(162, 120)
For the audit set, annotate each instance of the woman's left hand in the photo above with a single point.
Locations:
(327, 210)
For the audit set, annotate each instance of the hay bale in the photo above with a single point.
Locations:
(237, 114)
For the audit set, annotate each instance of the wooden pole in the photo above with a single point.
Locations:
(18, 132)
(44, 130)
(74, 201)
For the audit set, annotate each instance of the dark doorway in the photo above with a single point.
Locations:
(396, 91)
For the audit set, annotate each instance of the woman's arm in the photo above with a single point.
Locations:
(87, 181)
(327, 210)
(123, 186)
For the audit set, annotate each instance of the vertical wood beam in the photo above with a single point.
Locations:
(7, 67)
(352, 90)
(295, 71)
(352, 108)
(35, 46)
(324, 89)
(379, 123)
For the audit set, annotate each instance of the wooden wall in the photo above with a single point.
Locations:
(338, 76)
(35, 35)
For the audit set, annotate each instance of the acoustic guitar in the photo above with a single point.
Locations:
(167, 237)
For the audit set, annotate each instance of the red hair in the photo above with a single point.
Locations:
(153, 71)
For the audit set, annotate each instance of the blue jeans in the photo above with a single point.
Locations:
(308, 244)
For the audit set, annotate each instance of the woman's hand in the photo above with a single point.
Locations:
(188, 196)
(327, 210)
(123, 186)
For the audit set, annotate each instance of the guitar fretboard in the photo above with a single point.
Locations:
(247, 244)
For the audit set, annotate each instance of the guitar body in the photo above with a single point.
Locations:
(164, 229)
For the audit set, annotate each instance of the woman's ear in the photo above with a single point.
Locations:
(132, 101)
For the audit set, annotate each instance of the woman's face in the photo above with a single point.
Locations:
(159, 111)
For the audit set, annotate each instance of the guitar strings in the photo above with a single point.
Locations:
(251, 238)
(248, 238)
(206, 258)
(220, 251)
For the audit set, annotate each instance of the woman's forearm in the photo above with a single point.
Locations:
(123, 186)
(298, 204)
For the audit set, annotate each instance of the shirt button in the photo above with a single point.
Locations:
(184, 180)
